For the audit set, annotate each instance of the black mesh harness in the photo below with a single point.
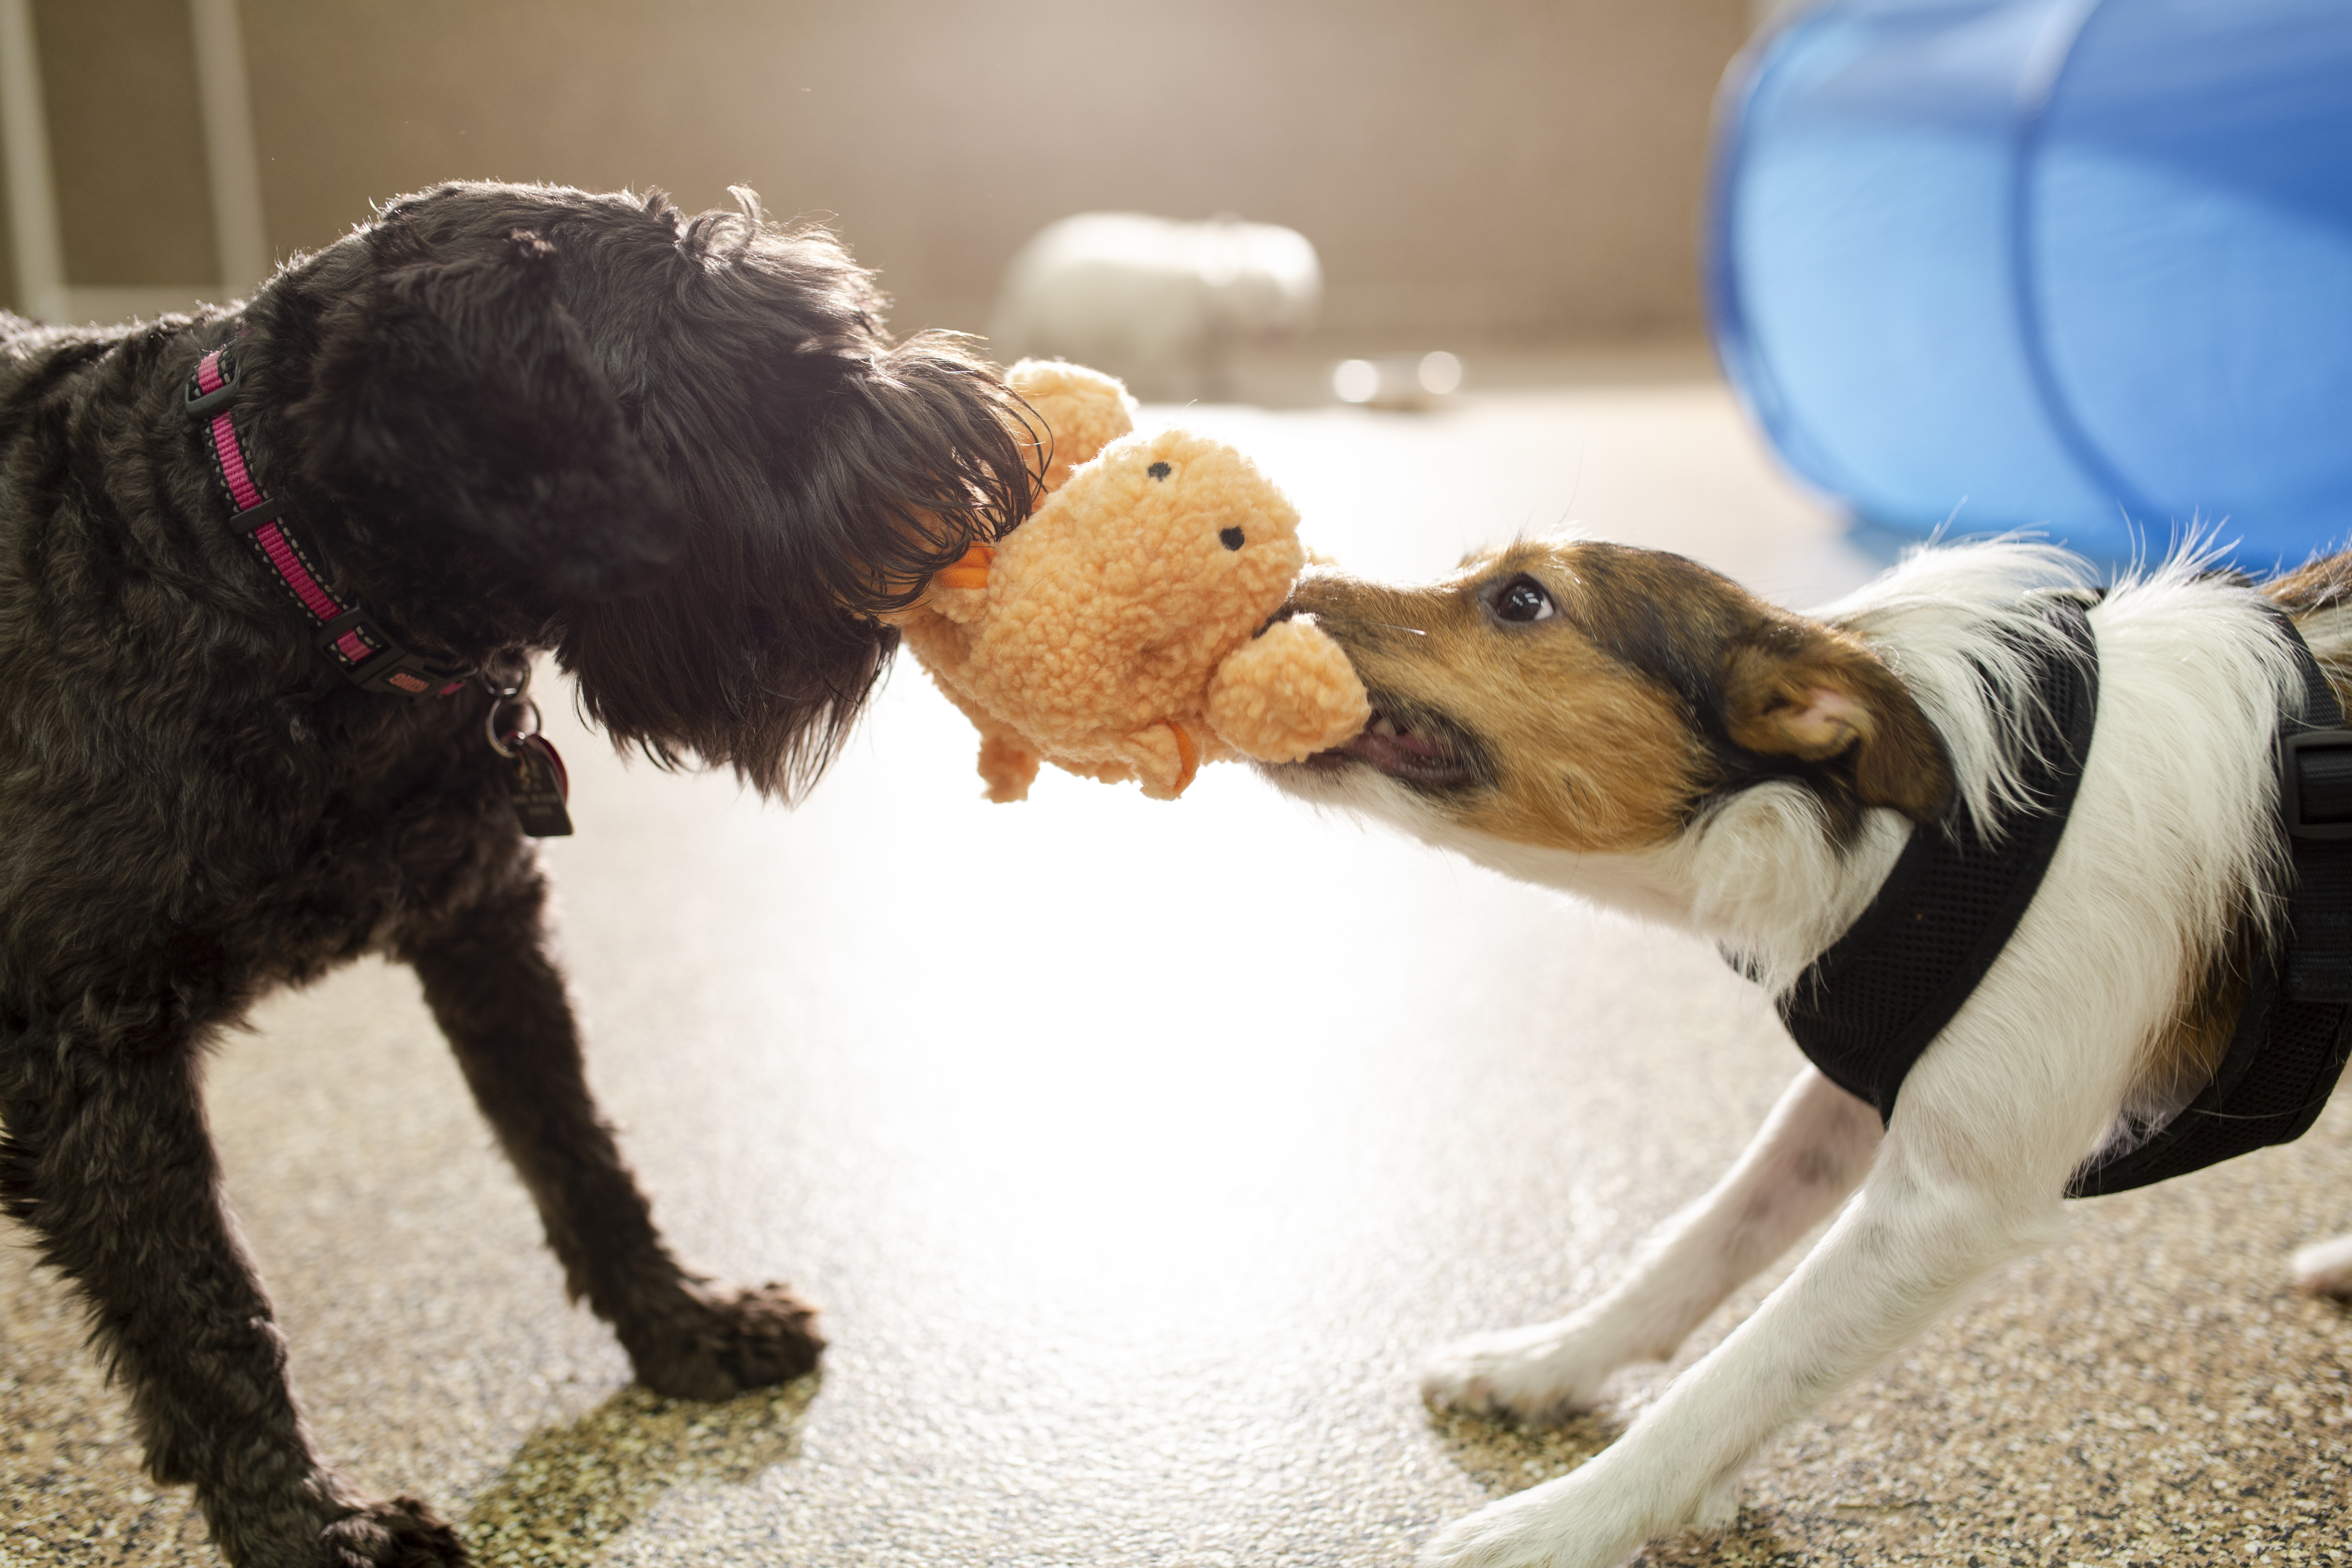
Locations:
(1866, 1008)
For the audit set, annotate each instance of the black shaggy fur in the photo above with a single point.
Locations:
(683, 454)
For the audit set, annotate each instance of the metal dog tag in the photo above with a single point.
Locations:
(537, 786)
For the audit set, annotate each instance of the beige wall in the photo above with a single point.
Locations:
(9, 297)
(1509, 166)
(133, 150)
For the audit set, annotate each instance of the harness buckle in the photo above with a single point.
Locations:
(199, 402)
(2316, 783)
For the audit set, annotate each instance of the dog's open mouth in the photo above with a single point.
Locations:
(1415, 750)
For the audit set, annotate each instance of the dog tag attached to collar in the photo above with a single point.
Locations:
(537, 785)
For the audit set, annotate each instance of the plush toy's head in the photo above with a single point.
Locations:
(1158, 558)
(1123, 630)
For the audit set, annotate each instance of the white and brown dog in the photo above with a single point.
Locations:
(1631, 727)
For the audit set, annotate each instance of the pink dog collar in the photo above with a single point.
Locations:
(350, 639)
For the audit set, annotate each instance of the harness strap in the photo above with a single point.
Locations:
(1866, 1008)
(351, 640)
(2293, 1025)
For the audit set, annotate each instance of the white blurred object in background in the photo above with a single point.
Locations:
(1162, 305)
(1398, 381)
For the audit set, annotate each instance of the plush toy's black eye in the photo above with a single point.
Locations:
(1231, 539)
(1160, 471)
(1523, 599)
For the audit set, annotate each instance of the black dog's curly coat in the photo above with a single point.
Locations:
(682, 454)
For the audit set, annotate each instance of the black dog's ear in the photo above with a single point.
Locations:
(1816, 695)
(463, 394)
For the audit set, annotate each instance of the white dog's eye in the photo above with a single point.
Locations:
(1523, 599)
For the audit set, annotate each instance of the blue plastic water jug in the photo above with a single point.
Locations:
(2085, 265)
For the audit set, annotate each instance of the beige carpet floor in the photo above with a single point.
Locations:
(1135, 1150)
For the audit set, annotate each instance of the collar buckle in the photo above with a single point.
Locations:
(385, 667)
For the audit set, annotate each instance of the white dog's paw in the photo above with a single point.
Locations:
(1565, 1523)
(1718, 1508)
(1595, 1517)
(1538, 1373)
(2325, 1267)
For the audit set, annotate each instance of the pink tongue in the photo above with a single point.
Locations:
(1380, 750)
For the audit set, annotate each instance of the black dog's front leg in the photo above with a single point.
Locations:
(106, 1158)
(500, 1000)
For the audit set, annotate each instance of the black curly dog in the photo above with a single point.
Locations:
(683, 454)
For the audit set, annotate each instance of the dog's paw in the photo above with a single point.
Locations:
(2325, 1267)
(1539, 1374)
(1718, 1509)
(400, 1532)
(723, 1341)
(1564, 1523)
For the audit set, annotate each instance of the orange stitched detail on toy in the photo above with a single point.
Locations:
(971, 572)
(1188, 756)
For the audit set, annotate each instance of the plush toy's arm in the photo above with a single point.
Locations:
(1007, 762)
(1006, 766)
(1287, 694)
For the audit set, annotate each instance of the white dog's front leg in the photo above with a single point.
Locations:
(1803, 1161)
(1899, 1256)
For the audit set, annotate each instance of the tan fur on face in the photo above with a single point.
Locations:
(1596, 730)
(1600, 763)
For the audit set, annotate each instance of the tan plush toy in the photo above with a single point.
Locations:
(1122, 630)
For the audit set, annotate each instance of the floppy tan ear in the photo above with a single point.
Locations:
(1820, 697)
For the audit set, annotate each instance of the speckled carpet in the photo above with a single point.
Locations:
(1135, 1150)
